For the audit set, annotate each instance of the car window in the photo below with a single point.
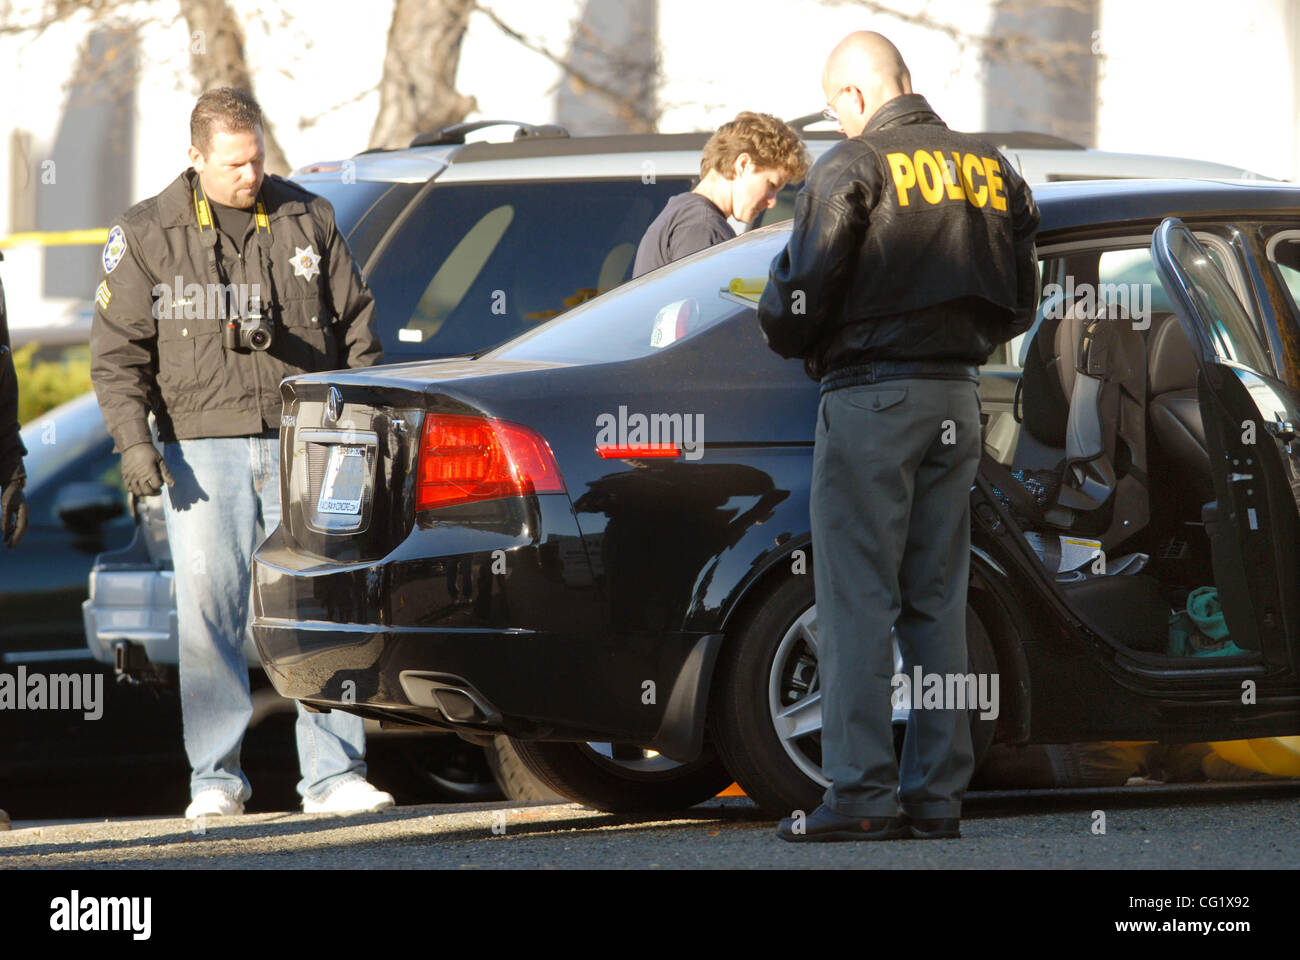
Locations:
(1284, 253)
(658, 310)
(365, 236)
(1220, 311)
(783, 209)
(1124, 279)
(475, 264)
(68, 444)
(350, 199)
(65, 436)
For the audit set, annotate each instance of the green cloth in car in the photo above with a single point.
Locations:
(1200, 630)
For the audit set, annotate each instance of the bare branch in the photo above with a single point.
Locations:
(631, 107)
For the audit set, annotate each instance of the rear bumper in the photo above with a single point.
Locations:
(527, 684)
(485, 618)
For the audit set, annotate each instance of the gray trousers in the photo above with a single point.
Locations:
(892, 471)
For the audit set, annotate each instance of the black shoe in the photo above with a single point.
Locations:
(824, 824)
(936, 828)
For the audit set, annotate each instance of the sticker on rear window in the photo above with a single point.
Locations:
(673, 322)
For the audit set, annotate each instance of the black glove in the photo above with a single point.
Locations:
(143, 470)
(13, 511)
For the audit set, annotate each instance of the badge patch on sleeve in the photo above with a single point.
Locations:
(103, 295)
(304, 262)
(114, 249)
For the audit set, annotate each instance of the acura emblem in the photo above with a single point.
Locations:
(333, 405)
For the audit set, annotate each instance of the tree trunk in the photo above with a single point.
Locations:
(417, 92)
(217, 60)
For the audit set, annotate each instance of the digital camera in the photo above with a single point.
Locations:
(250, 332)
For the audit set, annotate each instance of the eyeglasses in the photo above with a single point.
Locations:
(829, 113)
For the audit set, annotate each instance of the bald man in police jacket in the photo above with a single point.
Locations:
(911, 257)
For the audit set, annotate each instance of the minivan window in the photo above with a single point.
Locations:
(475, 264)
(350, 201)
(655, 311)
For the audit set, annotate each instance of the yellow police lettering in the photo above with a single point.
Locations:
(977, 197)
(991, 171)
(931, 185)
(904, 175)
(950, 175)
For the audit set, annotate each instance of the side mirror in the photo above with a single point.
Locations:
(84, 506)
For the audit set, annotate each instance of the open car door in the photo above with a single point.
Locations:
(1249, 419)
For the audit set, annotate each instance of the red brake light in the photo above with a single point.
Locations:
(468, 459)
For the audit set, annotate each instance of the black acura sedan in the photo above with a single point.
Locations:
(595, 538)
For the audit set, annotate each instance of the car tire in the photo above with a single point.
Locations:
(517, 782)
(742, 716)
(582, 774)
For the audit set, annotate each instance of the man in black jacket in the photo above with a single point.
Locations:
(212, 292)
(911, 257)
(13, 506)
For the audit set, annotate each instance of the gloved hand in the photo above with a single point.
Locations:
(143, 470)
(13, 511)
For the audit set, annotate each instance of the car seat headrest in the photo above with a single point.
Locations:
(1171, 359)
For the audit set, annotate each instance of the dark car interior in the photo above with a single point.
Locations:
(1112, 441)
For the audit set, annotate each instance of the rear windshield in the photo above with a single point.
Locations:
(666, 306)
(474, 264)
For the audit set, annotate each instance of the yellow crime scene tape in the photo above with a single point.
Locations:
(56, 238)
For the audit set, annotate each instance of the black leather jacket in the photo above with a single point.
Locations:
(156, 340)
(911, 242)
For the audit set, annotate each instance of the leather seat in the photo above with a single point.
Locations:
(1101, 367)
(1173, 410)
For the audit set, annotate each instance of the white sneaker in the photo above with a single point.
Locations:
(354, 796)
(213, 803)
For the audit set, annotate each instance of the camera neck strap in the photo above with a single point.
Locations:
(208, 232)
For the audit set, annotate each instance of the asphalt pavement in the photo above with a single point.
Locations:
(1202, 826)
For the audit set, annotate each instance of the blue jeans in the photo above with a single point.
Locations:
(225, 501)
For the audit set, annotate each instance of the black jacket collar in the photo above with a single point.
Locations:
(908, 108)
(176, 202)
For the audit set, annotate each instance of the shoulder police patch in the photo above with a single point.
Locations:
(114, 249)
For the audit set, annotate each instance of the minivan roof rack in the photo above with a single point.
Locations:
(1029, 140)
(455, 133)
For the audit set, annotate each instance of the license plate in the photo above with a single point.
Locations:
(345, 477)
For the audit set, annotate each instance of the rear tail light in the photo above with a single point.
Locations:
(468, 459)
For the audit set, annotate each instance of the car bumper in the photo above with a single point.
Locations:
(528, 684)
